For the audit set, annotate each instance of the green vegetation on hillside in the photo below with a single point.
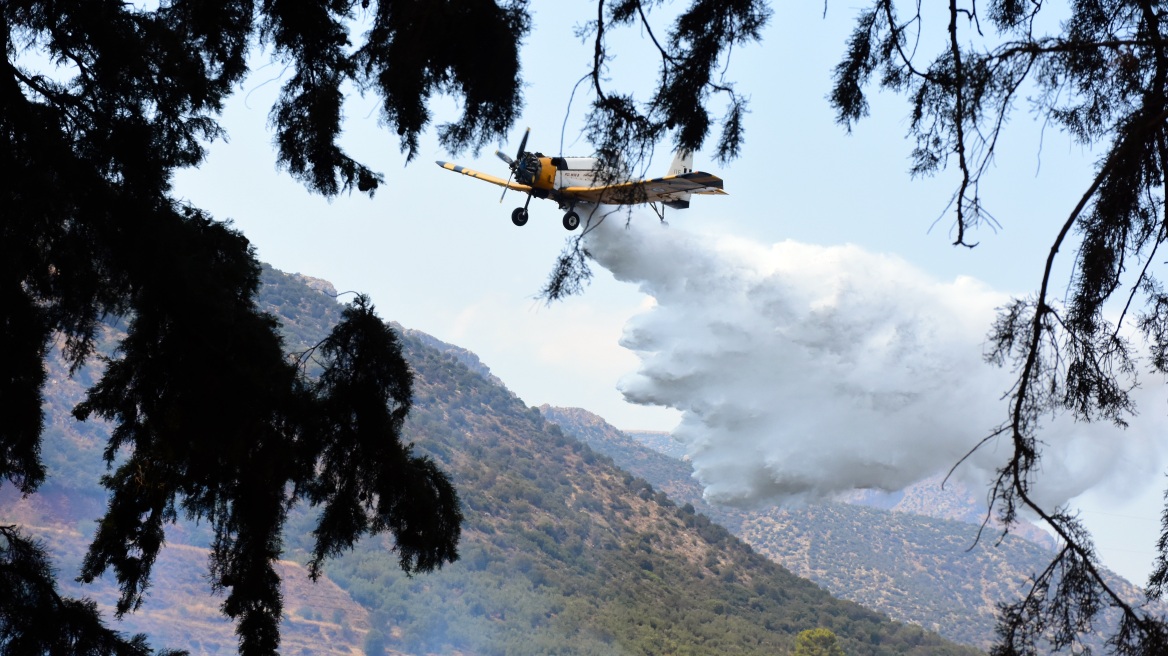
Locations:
(817, 642)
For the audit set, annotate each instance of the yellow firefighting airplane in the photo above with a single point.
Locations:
(571, 181)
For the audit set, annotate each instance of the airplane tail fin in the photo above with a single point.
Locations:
(682, 163)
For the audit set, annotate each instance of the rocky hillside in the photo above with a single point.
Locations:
(940, 499)
(876, 551)
(563, 551)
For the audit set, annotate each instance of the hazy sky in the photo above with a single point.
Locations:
(438, 252)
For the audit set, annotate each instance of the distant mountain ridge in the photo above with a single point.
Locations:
(659, 441)
(933, 497)
(466, 357)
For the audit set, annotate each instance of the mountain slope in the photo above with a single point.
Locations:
(924, 570)
(563, 552)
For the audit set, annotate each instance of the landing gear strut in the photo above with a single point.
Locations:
(519, 216)
(571, 220)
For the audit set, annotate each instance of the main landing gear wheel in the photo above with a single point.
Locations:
(519, 216)
(571, 220)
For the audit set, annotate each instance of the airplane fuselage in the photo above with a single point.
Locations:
(547, 174)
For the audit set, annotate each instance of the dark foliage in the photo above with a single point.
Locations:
(237, 441)
(100, 102)
(571, 273)
(364, 481)
(1102, 78)
(692, 53)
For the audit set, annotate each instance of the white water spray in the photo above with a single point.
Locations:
(802, 371)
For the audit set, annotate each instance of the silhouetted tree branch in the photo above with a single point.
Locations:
(100, 103)
(1102, 79)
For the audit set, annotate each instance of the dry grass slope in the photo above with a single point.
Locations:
(182, 613)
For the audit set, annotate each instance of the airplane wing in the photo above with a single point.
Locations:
(648, 191)
(483, 176)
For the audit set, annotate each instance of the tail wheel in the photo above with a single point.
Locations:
(571, 220)
(519, 216)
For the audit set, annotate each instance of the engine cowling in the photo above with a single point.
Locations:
(536, 171)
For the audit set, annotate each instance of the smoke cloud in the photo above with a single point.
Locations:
(803, 371)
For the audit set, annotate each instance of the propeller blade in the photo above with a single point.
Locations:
(523, 144)
(513, 163)
(506, 188)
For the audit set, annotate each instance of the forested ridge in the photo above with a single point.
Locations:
(562, 551)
